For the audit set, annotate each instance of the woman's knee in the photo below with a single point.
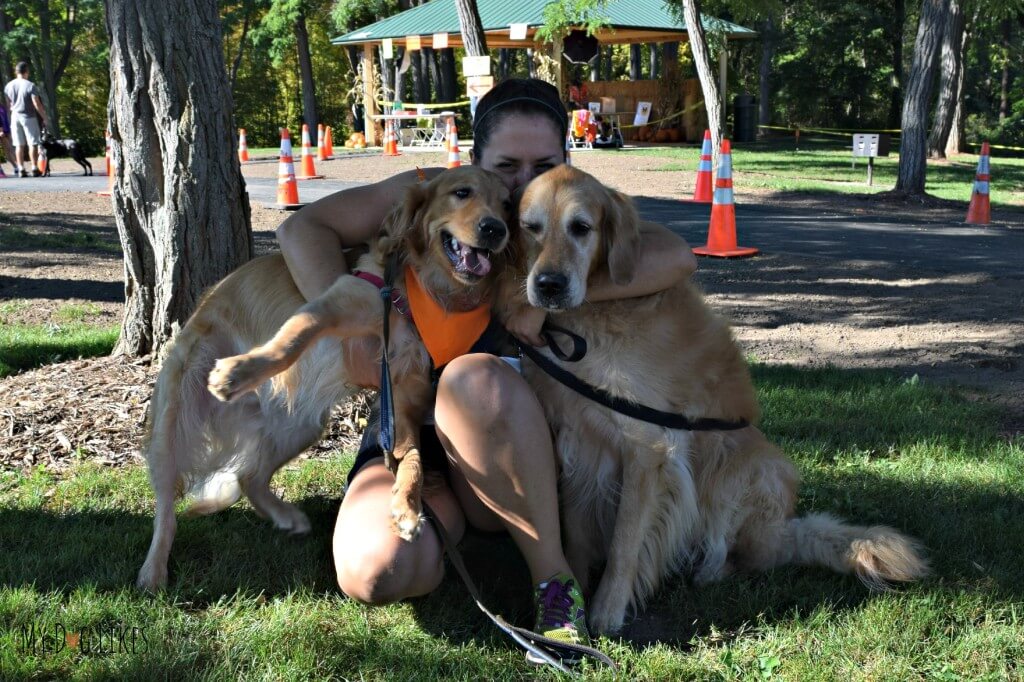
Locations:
(481, 386)
(385, 571)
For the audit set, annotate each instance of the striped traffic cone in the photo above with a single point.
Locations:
(702, 193)
(390, 139)
(722, 230)
(329, 144)
(287, 188)
(979, 210)
(110, 170)
(454, 161)
(321, 143)
(243, 146)
(308, 168)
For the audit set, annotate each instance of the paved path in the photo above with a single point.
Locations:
(898, 240)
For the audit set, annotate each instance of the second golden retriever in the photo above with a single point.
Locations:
(642, 500)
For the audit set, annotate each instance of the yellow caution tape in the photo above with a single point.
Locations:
(834, 130)
(996, 146)
(667, 118)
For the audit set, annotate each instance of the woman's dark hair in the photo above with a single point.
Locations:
(528, 96)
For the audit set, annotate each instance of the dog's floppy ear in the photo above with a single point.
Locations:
(621, 234)
(405, 222)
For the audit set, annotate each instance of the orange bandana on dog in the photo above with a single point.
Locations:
(446, 335)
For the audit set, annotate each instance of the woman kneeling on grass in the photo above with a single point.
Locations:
(490, 436)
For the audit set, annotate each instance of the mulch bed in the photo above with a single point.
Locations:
(57, 415)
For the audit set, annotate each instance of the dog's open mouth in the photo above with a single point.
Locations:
(466, 259)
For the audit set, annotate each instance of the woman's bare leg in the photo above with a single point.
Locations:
(492, 425)
(373, 564)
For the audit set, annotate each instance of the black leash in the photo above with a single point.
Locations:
(650, 415)
(551, 651)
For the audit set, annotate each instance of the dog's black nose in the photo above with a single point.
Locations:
(551, 284)
(491, 229)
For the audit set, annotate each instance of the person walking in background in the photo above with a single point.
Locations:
(27, 119)
(5, 136)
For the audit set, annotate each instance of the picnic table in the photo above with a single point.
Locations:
(427, 137)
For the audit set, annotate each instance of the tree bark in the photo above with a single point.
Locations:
(309, 112)
(608, 63)
(896, 39)
(472, 28)
(708, 82)
(635, 67)
(951, 65)
(504, 61)
(765, 71)
(920, 83)
(531, 63)
(653, 47)
(180, 204)
(448, 77)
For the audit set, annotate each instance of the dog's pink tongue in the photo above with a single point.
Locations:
(474, 261)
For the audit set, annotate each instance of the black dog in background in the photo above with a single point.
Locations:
(56, 149)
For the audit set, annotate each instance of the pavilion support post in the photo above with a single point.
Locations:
(369, 101)
(561, 76)
(723, 66)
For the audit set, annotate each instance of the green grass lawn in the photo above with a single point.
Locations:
(823, 168)
(24, 346)
(246, 602)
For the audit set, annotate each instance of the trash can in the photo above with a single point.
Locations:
(744, 118)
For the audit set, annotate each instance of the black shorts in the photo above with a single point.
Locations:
(432, 453)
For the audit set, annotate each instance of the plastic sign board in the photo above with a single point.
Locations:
(440, 41)
(595, 107)
(477, 86)
(517, 31)
(412, 42)
(387, 50)
(870, 145)
(476, 66)
(643, 113)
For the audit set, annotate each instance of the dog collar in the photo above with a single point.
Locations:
(397, 300)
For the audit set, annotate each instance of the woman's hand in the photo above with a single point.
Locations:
(525, 323)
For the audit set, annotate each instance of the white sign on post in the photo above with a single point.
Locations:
(387, 50)
(643, 113)
(865, 145)
(517, 31)
(440, 41)
(476, 66)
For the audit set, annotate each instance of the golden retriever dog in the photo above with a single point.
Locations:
(450, 231)
(643, 500)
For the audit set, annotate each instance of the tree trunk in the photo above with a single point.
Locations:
(6, 65)
(1004, 82)
(765, 73)
(595, 66)
(653, 59)
(426, 66)
(180, 204)
(448, 78)
(531, 63)
(237, 62)
(708, 82)
(420, 84)
(920, 83)
(608, 63)
(309, 113)
(951, 64)
(896, 39)
(387, 76)
(504, 60)
(635, 68)
(472, 28)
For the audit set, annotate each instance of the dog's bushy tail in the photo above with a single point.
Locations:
(878, 555)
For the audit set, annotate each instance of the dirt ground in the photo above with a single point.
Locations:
(966, 329)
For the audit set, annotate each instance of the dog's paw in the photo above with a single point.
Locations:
(234, 376)
(292, 520)
(151, 578)
(406, 517)
(607, 612)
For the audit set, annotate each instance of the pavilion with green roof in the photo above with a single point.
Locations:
(628, 21)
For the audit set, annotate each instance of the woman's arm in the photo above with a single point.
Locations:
(312, 239)
(665, 259)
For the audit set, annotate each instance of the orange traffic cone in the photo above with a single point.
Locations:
(390, 139)
(308, 168)
(243, 146)
(321, 143)
(702, 193)
(454, 160)
(110, 170)
(329, 144)
(42, 160)
(722, 230)
(287, 188)
(978, 211)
